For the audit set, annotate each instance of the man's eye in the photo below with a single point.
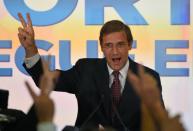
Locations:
(121, 44)
(108, 45)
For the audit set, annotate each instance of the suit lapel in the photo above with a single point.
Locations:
(128, 90)
(102, 82)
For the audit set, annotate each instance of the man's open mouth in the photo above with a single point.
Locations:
(116, 59)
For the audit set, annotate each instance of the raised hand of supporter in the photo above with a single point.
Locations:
(145, 86)
(43, 104)
(172, 124)
(26, 36)
(49, 78)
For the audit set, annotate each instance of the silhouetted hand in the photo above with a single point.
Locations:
(173, 124)
(145, 86)
(43, 104)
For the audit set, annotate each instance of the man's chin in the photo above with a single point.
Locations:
(116, 68)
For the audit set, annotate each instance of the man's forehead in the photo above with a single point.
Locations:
(115, 37)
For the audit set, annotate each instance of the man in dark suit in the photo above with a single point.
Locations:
(104, 95)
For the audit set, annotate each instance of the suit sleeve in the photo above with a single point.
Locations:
(35, 72)
(157, 77)
(67, 81)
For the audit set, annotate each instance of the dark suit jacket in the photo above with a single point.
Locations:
(89, 81)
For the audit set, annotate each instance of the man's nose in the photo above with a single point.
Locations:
(115, 50)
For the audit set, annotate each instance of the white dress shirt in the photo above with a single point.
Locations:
(122, 76)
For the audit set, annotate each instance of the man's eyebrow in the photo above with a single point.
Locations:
(108, 43)
(121, 42)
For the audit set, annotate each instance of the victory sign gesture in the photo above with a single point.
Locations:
(27, 36)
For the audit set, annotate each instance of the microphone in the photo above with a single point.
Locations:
(118, 115)
(120, 120)
(71, 128)
(7, 118)
(93, 112)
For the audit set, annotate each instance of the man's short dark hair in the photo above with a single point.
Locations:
(115, 26)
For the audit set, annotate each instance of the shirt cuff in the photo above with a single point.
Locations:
(46, 126)
(31, 61)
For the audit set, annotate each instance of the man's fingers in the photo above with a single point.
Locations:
(29, 20)
(21, 38)
(22, 20)
(45, 65)
(49, 59)
(32, 93)
(46, 85)
(21, 30)
(141, 71)
(56, 75)
(24, 34)
(135, 81)
(177, 117)
(149, 78)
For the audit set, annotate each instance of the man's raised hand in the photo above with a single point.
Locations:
(26, 36)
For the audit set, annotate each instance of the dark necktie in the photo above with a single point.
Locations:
(116, 89)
